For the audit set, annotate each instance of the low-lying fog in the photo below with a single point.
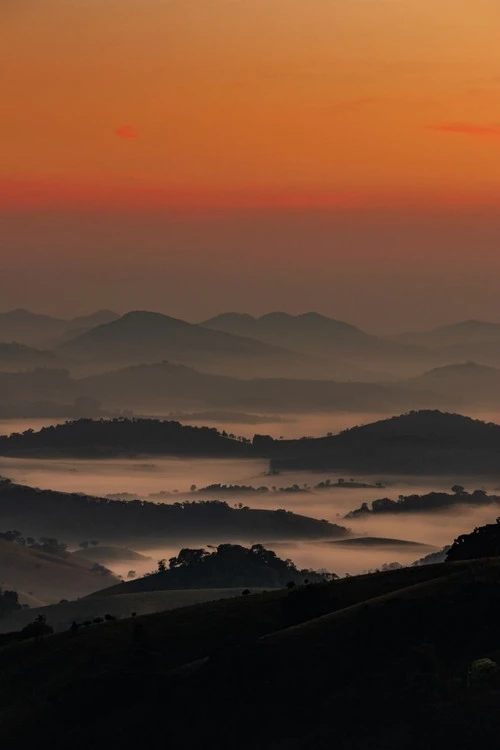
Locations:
(145, 477)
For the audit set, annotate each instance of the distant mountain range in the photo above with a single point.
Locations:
(18, 357)
(165, 388)
(170, 387)
(278, 354)
(143, 337)
(312, 334)
(475, 340)
(44, 332)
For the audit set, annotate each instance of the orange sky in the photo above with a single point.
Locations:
(312, 99)
(117, 113)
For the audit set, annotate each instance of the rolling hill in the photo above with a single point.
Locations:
(61, 615)
(48, 577)
(417, 443)
(105, 438)
(140, 523)
(403, 647)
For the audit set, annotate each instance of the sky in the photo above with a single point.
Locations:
(195, 156)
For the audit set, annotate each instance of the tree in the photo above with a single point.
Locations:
(162, 566)
(37, 629)
(457, 489)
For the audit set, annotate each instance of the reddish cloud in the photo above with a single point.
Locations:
(468, 129)
(126, 131)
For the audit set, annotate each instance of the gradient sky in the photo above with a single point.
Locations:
(193, 156)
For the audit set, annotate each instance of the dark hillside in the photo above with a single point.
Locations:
(422, 442)
(397, 646)
(75, 516)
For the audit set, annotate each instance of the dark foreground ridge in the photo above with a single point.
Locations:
(415, 652)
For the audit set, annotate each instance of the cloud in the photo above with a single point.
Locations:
(468, 129)
(126, 131)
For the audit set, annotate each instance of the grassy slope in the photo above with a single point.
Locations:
(46, 577)
(385, 670)
(60, 616)
(111, 667)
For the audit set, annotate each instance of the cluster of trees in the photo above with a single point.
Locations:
(426, 503)
(484, 541)
(225, 566)
(75, 515)
(48, 545)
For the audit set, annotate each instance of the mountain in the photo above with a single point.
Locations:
(313, 334)
(468, 384)
(169, 387)
(44, 331)
(457, 334)
(49, 577)
(78, 326)
(145, 337)
(417, 443)
(469, 340)
(406, 658)
(19, 357)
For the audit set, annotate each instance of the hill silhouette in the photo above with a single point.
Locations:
(227, 566)
(133, 523)
(417, 443)
(168, 386)
(122, 437)
(467, 383)
(142, 337)
(429, 503)
(311, 333)
(18, 357)
(44, 331)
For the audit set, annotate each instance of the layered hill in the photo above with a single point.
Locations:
(142, 337)
(313, 334)
(172, 387)
(44, 331)
(468, 383)
(139, 523)
(18, 357)
(469, 340)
